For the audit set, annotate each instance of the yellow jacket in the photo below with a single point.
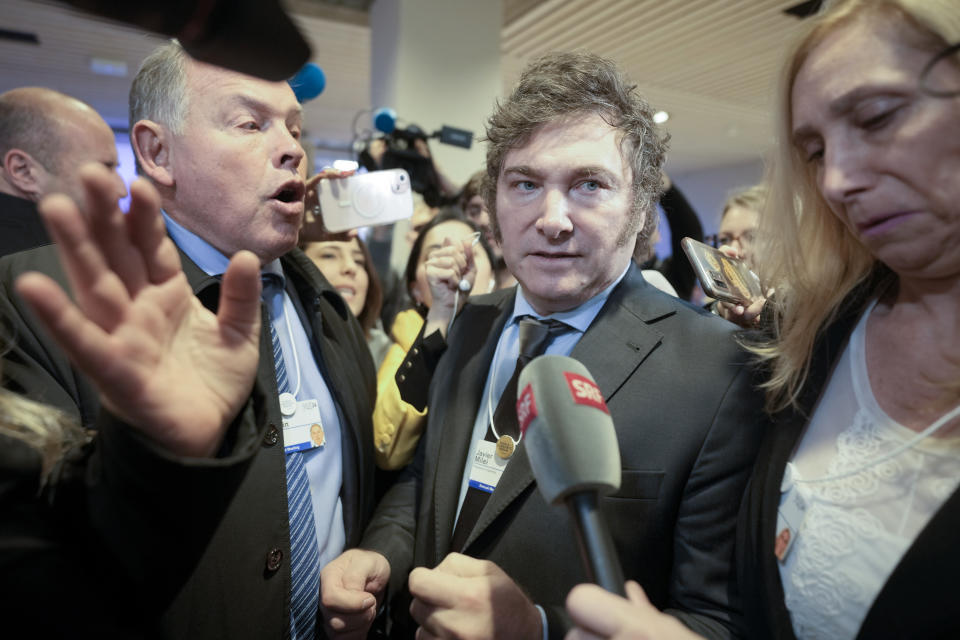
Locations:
(397, 426)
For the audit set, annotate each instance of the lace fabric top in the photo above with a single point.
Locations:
(856, 528)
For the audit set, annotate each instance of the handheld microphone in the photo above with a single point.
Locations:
(573, 451)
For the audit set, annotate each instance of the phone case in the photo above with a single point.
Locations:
(365, 199)
(721, 277)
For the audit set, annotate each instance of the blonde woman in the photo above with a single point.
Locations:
(737, 238)
(863, 462)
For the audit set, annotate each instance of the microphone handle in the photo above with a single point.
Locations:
(596, 546)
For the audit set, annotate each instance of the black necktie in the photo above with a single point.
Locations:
(534, 336)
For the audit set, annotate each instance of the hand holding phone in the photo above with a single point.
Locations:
(365, 199)
(721, 276)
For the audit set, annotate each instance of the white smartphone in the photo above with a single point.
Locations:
(722, 277)
(365, 199)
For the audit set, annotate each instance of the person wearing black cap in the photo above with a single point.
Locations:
(572, 175)
(255, 37)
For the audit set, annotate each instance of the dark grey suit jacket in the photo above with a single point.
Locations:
(231, 576)
(688, 424)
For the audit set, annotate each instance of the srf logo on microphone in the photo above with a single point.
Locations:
(526, 408)
(585, 391)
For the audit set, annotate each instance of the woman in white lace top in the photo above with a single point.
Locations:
(850, 523)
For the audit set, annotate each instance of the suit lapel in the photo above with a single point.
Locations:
(614, 345)
(476, 340)
(617, 342)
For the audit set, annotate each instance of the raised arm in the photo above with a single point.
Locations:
(161, 362)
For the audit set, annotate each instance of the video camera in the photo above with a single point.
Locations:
(402, 153)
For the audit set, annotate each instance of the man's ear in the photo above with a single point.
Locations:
(24, 173)
(151, 145)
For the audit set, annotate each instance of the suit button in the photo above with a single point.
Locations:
(401, 377)
(408, 364)
(274, 559)
(415, 351)
(271, 436)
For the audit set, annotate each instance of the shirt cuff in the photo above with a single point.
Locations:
(416, 371)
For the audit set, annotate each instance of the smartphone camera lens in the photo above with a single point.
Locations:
(401, 182)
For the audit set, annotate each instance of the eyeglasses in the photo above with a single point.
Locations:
(941, 84)
(717, 239)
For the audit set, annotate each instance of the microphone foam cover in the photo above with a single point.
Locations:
(308, 83)
(385, 119)
(571, 442)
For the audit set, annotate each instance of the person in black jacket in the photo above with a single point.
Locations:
(683, 222)
(573, 172)
(222, 149)
(86, 521)
(45, 136)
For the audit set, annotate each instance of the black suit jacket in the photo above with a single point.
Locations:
(917, 600)
(233, 577)
(20, 225)
(688, 424)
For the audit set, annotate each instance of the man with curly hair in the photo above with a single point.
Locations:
(572, 177)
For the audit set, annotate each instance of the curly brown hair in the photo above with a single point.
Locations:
(561, 85)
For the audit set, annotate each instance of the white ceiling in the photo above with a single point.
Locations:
(712, 64)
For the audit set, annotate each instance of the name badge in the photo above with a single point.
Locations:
(303, 429)
(487, 467)
(790, 515)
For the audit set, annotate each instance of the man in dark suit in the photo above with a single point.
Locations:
(573, 172)
(45, 136)
(222, 150)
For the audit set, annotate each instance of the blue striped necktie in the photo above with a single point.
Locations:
(304, 554)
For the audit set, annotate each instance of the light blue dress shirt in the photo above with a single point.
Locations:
(507, 351)
(505, 361)
(324, 465)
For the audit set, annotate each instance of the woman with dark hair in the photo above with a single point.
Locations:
(348, 267)
(397, 425)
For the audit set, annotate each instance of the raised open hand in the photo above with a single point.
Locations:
(161, 361)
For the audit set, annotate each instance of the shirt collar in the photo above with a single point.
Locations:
(204, 254)
(579, 317)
